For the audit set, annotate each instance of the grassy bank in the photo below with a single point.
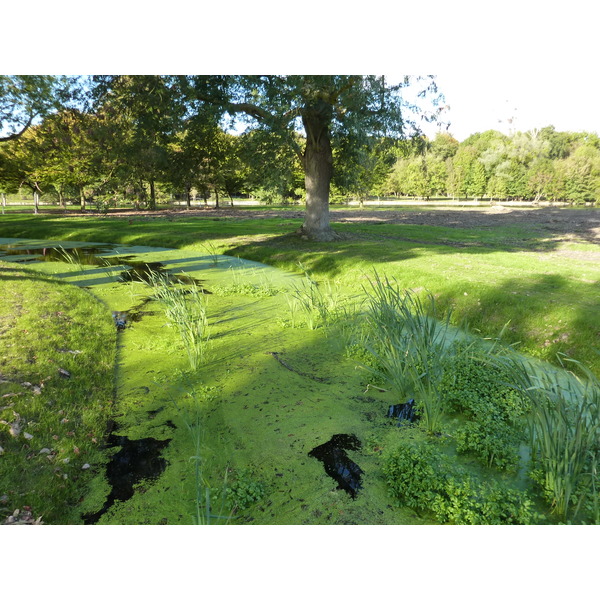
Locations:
(56, 386)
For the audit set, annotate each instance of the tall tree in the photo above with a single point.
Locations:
(149, 107)
(326, 109)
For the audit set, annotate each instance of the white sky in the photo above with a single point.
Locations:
(478, 104)
(526, 58)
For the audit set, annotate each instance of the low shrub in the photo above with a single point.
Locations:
(244, 490)
(423, 478)
(493, 440)
(480, 390)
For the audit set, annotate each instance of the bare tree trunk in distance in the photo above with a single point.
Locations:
(36, 202)
(188, 196)
(152, 195)
(318, 170)
(82, 199)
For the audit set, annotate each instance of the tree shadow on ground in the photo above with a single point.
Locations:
(543, 314)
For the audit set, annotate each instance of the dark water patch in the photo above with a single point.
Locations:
(141, 271)
(338, 466)
(148, 271)
(101, 256)
(137, 460)
(135, 314)
(85, 255)
(403, 413)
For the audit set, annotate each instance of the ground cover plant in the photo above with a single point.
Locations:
(267, 392)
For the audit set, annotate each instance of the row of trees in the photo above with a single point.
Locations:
(111, 137)
(132, 138)
(540, 164)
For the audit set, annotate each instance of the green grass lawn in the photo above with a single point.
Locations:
(56, 386)
(490, 277)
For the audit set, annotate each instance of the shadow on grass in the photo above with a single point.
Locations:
(545, 314)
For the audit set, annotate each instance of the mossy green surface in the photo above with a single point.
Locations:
(257, 416)
(269, 391)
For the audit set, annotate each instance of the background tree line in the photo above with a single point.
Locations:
(141, 139)
(536, 165)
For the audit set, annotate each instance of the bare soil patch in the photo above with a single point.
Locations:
(581, 224)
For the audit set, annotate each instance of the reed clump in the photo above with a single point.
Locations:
(185, 308)
(564, 431)
(318, 304)
(409, 346)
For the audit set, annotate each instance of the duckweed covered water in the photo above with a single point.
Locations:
(268, 397)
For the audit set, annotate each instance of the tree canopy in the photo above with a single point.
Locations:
(347, 113)
(25, 98)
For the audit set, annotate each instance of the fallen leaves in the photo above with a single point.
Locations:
(23, 517)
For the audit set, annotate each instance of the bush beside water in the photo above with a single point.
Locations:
(423, 478)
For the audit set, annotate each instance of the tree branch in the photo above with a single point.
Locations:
(16, 136)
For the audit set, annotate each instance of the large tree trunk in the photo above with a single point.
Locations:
(318, 169)
(36, 202)
(82, 199)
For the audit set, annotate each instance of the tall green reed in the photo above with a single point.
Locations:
(410, 346)
(212, 251)
(73, 258)
(317, 303)
(191, 415)
(564, 435)
(185, 308)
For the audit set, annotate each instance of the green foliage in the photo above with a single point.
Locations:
(564, 434)
(409, 346)
(184, 308)
(493, 440)
(268, 196)
(533, 165)
(244, 490)
(318, 304)
(423, 478)
(480, 389)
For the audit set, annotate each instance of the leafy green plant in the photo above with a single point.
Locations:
(244, 490)
(478, 387)
(423, 478)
